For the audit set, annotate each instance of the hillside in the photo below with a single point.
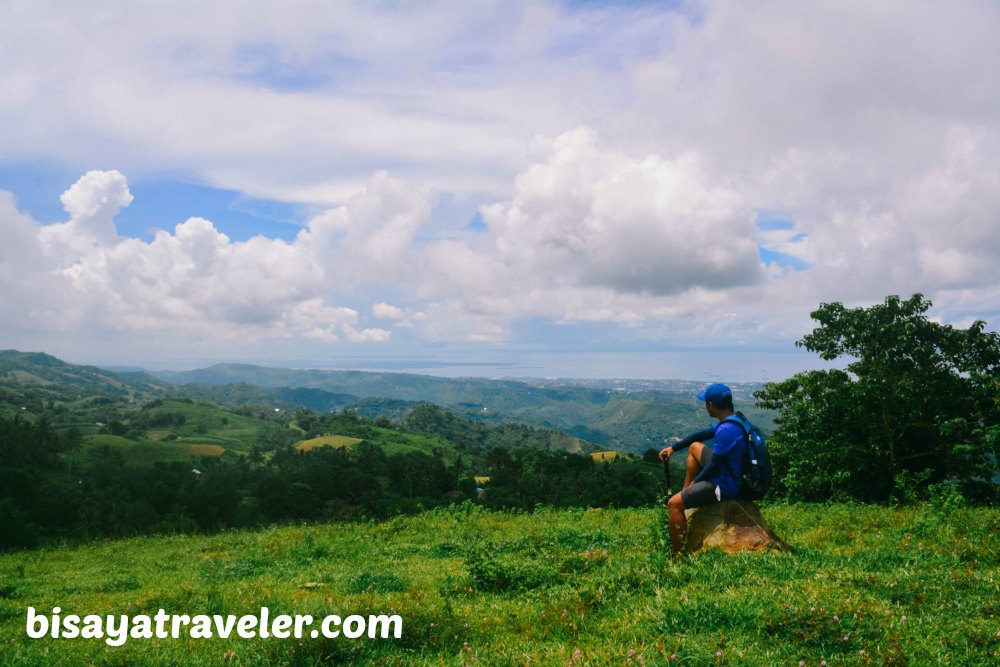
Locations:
(614, 414)
(864, 586)
(129, 404)
(618, 414)
(87, 452)
(80, 464)
(35, 376)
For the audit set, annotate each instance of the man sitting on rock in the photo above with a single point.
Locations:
(713, 472)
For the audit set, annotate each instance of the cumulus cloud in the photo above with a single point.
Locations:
(92, 204)
(371, 235)
(632, 225)
(874, 133)
(26, 281)
(194, 282)
(587, 225)
(385, 311)
(366, 335)
(869, 130)
(592, 234)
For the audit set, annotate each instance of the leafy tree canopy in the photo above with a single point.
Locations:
(914, 411)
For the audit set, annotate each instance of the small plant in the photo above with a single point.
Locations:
(310, 549)
(499, 569)
(374, 582)
(946, 496)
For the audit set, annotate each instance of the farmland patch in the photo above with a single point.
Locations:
(203, 449)
(343, 441)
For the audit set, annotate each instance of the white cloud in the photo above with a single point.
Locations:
(194, 283)
(385, 311)
(366, 335)
(318, 88)
(873, 129)
(27, 283)
(653, 225)
(593, 234)
(372, 232)
(92, 204)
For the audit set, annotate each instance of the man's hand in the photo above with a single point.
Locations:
(666, 453)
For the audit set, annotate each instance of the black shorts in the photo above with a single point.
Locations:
(700, 494)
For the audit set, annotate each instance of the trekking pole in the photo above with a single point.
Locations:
(666, 473)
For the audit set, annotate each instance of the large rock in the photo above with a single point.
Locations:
(733, 526)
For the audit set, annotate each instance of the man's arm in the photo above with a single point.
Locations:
(708, 472)
(700, 436)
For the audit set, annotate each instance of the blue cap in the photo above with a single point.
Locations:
(716, 394)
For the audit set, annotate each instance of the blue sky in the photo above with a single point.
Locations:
(583, 188)
(159, 203)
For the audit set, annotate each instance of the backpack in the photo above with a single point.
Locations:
(757, 471)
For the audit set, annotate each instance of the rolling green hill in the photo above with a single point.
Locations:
(30, 381)
(86, 463)
(623, 415)
(144, 420)
(610, 414)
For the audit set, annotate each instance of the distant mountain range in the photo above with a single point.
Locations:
(617, 414)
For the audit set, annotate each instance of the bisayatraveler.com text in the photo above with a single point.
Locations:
(116, 629)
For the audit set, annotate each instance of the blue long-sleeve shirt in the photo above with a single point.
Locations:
(700, 436)
(726, 467)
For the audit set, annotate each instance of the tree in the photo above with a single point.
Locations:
(916, 405)
(15, 531)
(256, 456)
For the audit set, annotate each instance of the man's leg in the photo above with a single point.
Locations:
(675, 504)
(694, 463)
(678, 523)
(697, 495)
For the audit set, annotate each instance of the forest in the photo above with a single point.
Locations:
(58, 483)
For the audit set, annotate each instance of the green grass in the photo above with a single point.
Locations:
(107, 440)
(201, 440)
(208, 424)
(206, 428)
(207, 431)
(137, 452)
(398, 442)
(915, 586)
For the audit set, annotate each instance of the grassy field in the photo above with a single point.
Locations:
(198, 429)
(206, 430)
(207, 424)
(135, 452)
(864, 586)
(203, 449)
